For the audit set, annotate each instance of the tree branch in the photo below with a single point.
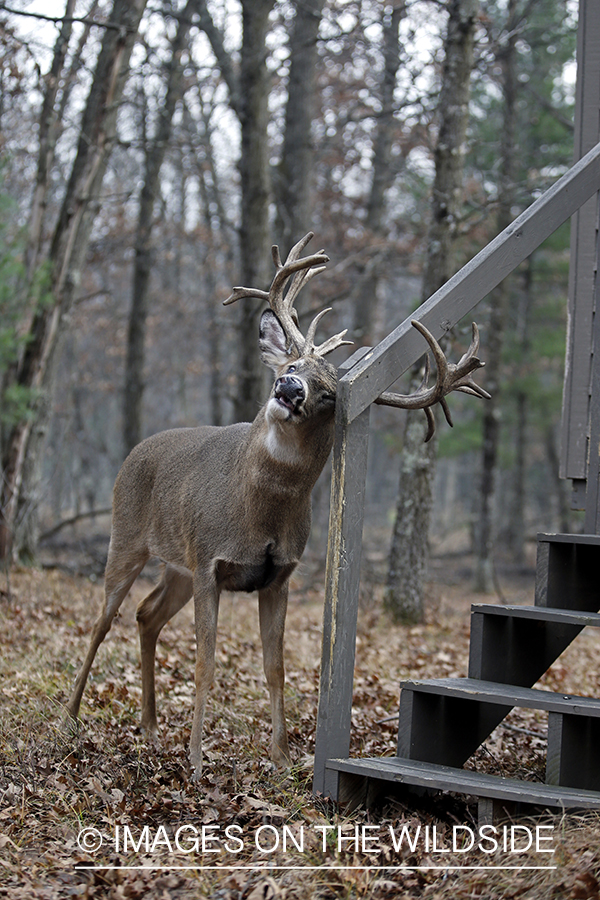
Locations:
(60, 19)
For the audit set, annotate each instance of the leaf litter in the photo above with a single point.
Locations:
(275, 837)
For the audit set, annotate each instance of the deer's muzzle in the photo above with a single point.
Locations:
(290, 392)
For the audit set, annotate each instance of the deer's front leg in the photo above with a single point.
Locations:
(272, 605)
(206, 611)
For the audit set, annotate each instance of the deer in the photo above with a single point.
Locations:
(229, 507)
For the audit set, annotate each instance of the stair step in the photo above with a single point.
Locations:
(460, 781)
(517, 644)
(540, 614)
(506, 695)
(574, 539)
(567, 571)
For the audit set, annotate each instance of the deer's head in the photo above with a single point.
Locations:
(305, 382)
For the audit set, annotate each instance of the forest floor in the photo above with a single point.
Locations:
(147, 813)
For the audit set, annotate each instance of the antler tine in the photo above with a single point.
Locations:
(299, 247)
(239, 292)
(302, 269)
(290, 268)
(473, 346)
(450, 377)
(282, 302)
(462, 379)
(299, 280)
(312, 328)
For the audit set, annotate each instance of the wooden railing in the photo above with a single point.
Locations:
(362, 379)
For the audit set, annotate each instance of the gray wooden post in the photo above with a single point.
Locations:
(342, 580)
(576, 398)
(592, 494)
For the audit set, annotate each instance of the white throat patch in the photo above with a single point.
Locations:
(281, 442)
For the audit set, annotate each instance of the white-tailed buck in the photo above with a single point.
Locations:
(228, 508)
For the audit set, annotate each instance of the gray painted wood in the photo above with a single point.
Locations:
(567, 572)
(517, 649)
(539, 614)
(572, 757)
(592, 496)
(592, 540)
(402, 347)
(574, 429)
(461, 781)
(341, 597)
(506, 695)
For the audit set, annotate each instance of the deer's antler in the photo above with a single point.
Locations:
(282, 302)
(450, 377)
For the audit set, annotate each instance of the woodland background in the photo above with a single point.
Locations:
(126, 221)
(151, 153)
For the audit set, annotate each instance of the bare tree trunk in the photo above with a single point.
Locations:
(484, 533)
(48, 134)
(366, 290)
(249, 98)
(155, 153)
(294, 178)
(255, 241)
(66, 255)
(408, 554)
(220, 249)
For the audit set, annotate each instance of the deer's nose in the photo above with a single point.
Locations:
(289, 388)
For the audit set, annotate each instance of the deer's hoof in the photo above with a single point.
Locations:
(197, 774)
(150, 730)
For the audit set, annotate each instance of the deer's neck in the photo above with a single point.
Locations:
(287, 458)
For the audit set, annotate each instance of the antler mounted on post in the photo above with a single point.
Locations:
(450, 377)
(282, 302)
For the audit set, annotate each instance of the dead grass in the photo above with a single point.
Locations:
(53, 784)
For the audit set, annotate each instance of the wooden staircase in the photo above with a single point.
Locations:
(443, 721)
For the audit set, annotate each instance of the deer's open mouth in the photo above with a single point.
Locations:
(283, 401)
(290, 393)
(292, 404)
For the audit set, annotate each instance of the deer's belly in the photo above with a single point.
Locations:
(250, 576)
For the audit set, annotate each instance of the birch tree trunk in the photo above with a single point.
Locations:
(404, 597)
(65, 259)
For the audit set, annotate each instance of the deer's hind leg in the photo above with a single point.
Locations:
(170, 595)
(120, 574)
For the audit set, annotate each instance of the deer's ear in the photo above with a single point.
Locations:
(273, 342)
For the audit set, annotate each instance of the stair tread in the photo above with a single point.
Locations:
(593, 539)
(506, 695)
(542, 613)
(463, 781)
